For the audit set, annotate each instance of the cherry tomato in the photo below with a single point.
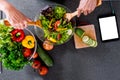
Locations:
(47, 45)
(36, 64)
(27, 52)
(43, 70)
(35, 55)
(57, 23)
(58, 36)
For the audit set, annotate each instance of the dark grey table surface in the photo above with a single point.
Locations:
(100, 63)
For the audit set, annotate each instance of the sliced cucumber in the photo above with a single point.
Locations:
(79, 32)
(89, 41)
(85, 39)
(94, 44)
(69, 31)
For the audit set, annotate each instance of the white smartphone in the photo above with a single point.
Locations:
(108, 28)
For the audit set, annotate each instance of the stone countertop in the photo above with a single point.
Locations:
(100, 63)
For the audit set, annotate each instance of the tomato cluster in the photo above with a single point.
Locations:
(43, 70)
(37, 65)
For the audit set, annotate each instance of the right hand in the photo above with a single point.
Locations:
(86, 6)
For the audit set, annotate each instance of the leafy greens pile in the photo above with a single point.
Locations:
(10, 51)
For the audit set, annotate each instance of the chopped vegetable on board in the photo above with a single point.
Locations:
(89, 41)
(80, 32)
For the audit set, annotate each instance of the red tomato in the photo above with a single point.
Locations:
(35, 55)
(27, 52)
(57, 23)
(36, 64)
(43, 70)
(47, 45)
(58, 36)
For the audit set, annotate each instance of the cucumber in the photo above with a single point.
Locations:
(45, 57)
(94, 44)
(79, 32)
(85, 39)
(89, 41)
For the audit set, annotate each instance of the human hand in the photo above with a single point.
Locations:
(15, 17)
(86, 6)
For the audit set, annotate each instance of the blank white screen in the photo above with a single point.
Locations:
(108, 28)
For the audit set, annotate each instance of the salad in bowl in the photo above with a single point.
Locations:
(55, 28)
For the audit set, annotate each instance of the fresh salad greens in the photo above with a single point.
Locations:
(10, 51)
(57, 29)
(59, 12)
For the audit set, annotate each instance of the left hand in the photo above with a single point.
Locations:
(16, 18)
(86, 6)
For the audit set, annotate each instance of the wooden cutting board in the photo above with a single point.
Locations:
(89, 31)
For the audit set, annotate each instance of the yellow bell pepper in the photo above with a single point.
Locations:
(28, 42)
(50, 23)
(60, 29)
(52, 39)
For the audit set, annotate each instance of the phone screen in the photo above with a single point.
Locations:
(108, 28)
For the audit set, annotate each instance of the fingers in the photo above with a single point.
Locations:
(19, 24)
(79, 12)
(18, 21)
(86, 7)
(29, 20)
(84, 11)
(87, 11)
(16, 18)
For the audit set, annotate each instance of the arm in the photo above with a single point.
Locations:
(87, 6)
(14, 16)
